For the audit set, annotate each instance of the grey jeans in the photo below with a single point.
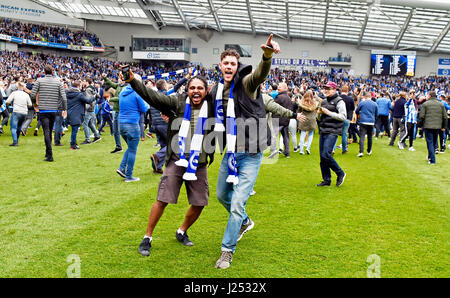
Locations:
(88, 125)
(396, 124)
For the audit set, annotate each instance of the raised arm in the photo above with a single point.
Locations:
(156, 99)
(253, 80)
(109, 82)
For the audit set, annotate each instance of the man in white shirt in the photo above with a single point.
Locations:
(20, 101)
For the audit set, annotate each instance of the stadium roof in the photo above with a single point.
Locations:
(396, 24)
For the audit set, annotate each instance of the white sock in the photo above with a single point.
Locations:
(149, 237)
(180, 232)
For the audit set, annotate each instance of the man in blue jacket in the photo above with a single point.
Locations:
(76, 106)
(384, 107)
(368, 111)
(131, 105)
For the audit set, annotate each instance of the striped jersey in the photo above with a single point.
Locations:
(410, 112)
(52, 96)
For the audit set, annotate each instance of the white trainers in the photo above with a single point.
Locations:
(360, 154)
(369, 153)
(411, 149)
(225, 260)
(400, 145)
(132, 179)
(245, 228)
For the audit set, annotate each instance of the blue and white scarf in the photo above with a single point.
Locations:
(230, 129)
(196, 142)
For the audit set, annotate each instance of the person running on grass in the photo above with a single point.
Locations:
(185, 163)
(239, 100)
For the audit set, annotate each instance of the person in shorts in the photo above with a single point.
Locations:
(194, 173)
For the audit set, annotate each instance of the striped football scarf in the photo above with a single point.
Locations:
(230, 129)
(196, 142)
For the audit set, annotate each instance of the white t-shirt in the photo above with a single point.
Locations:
(21, 101)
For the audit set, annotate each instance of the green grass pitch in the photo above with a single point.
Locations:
(392, 204)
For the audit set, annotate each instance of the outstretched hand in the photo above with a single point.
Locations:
(270, 47)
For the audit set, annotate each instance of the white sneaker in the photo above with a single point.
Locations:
(225, 260)
(360, 154)
(411, 149)
(132, 179)
(273, 154)
(400, 145)
(369, 153)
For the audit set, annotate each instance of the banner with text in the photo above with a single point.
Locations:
(443, 67)
(299, 62)
(30, 11)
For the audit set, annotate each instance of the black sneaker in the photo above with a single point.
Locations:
(117, 150)
(184, 238)
(340, 180)
(323, 183)
(74, 147)
(96, 139)
(13, 145)
(121, 173)
(86, 142)
(144, 247)
(49, 159)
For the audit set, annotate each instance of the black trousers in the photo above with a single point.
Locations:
(47, 121)
(106, 118)
(383, 121)
(363, 131)
(5, 115)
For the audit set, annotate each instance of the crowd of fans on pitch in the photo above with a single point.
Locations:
(55, 34)
(398, 100)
